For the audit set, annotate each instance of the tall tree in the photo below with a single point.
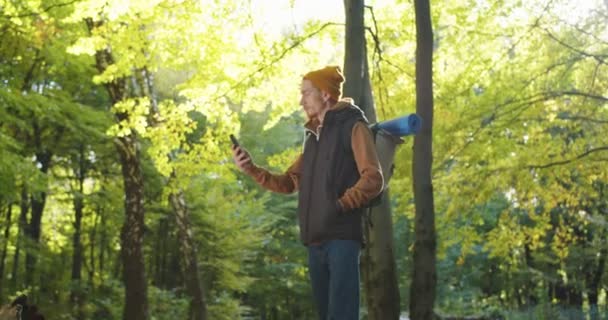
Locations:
(190, 265)
(5, 240)
(378, 265)
(174, 123)
(424, 278)
(132, 234)
(177, 200)
(80, 168)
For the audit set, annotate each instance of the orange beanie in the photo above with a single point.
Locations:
(328, 79)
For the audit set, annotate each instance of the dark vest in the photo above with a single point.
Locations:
(328, 170)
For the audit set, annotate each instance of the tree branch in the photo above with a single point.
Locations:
(583, 31)
(569, 117)
(374, 33)
(377, 59)
(45, 9)
(518, 109)
(541, 97)
(562, 162)
(577, 93)
(297, 43)
(491, 172)
(599, 58)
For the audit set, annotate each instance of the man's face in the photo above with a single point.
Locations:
(312, 99)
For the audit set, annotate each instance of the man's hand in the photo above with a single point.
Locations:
(242, 159)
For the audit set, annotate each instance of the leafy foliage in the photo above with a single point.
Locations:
(519, 159)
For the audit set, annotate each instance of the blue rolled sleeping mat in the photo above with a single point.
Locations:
(400, 127)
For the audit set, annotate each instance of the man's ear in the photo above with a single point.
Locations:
(325, 96)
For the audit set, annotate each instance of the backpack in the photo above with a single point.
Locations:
(386, 146)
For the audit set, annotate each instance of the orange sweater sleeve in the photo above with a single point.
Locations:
(287, 182)
(371, 181)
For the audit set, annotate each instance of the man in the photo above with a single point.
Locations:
(336, 175)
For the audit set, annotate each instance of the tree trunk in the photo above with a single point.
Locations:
(160, 253)
(92, 244)
(103, 241)
(594, 278)
(382, 292)
(38, 202)
(378, 266)
(189, 257)
(24, 208)
(7, 229)
(165, 256)
(132, 233)
(595, 275)
(424, 278)
(78, 201)
(355, 59)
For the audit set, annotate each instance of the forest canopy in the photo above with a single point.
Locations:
(114, 125)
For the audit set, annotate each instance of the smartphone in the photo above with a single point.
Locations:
(235, 142)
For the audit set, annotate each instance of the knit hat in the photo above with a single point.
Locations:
(328, 79)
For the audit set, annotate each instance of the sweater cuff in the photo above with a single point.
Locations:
(339, 206)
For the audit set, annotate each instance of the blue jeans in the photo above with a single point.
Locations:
(334, 274)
